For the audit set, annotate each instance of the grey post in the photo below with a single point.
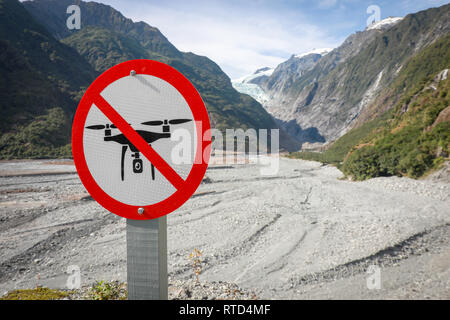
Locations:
(147, 259)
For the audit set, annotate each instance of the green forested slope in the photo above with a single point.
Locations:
(40, 81)
(107, 38)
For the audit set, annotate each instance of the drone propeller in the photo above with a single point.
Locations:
(160, 122)
(153, 123)
(101, 126)
(179, 121)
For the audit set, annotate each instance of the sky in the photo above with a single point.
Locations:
(244, 35)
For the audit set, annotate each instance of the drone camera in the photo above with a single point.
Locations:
(137, 166)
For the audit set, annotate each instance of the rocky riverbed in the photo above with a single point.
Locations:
(303, 233)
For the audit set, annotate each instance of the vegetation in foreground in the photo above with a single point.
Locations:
(36, 294)
(107, 290)
(101, 290)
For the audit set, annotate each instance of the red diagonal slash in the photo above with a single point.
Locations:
(166, 170)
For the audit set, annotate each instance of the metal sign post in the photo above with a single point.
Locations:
(147, 259)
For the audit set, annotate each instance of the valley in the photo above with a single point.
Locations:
(374, 105)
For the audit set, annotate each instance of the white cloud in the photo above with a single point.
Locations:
(240, 43)
(414, 6)
(327, 4)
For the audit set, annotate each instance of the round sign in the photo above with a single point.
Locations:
(141, 139)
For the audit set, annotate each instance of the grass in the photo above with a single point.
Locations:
(36, 294)
(101, 290)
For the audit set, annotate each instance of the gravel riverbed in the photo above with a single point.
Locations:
(303, 233)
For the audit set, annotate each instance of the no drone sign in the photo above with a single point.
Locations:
(122, 139)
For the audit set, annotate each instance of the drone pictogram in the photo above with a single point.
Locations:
(148, 136)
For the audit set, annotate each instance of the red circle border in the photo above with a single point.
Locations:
(195, 102)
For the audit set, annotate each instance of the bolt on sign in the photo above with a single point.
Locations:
(122, 139)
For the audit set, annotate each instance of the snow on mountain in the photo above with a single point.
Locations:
(258, 73)
(250, 84)
(322, 52)
(385, 23)
(253, 90)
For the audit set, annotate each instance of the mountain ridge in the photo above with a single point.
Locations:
(331, 95)
(408, 133)
(227, 107)
(59, 64)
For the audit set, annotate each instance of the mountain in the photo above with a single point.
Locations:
(384, 24)
(107, 38)
(322, 52)
(258, 77)
(406, 131)
(45, 68)
(52, 14)
(41, 81)
(330, 97)
(413, 136)
(285, 74)
(268, 87)
(290, 85)
(286, 87)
